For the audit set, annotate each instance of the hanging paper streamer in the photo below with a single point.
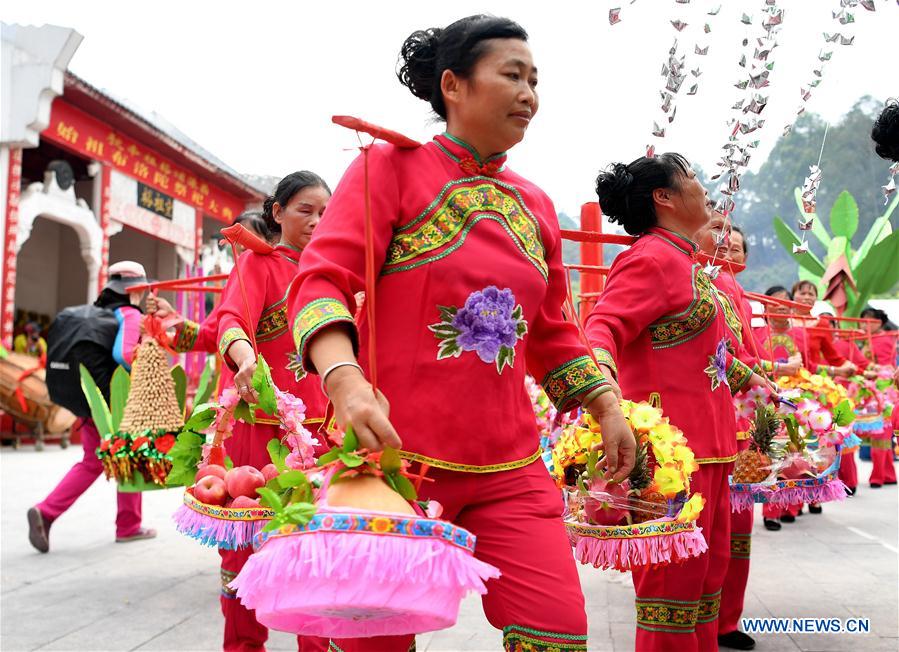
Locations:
(844, 17)
(890, 188)
(675, 72)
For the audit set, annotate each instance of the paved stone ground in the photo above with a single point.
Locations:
(90, 593)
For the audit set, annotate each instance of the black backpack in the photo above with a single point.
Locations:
(80, 335)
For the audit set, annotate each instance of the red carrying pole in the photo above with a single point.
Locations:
(591, 254)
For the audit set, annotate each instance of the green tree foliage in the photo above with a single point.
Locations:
(848, 164)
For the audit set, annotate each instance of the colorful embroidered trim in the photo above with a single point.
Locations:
(228, 513)
(767, 365)
(227, 577)
(635, 531)
(229, 337)
(709, 605)
(604, 357)
(743, 435)
(564, 384)
(762, 491)
(273, 321)
(730, 315)
(470, 468)
(525, 639)
(315, 316)
(716, 460)
(669, 616)
(740, 545)
(781, 339)
(377, 525)
(460, 205)
(186, 336)
(693, 246)
(490, 324)
(738, 374)
(690, 322)
(471, 150)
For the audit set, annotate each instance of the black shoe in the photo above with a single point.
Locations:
(814, 508)
(876, 486)
(787, 518)
(736, 641)
(38, 530)
(772, 524)
(800, 512)
(852, 490)
(893, 482)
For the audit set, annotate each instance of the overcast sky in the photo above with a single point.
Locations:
(256, 83)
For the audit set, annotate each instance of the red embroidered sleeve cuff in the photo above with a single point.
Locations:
(186, 336)
(605, 358)
(228, 338)
(738, 375)
(565, 384)
(315, 316)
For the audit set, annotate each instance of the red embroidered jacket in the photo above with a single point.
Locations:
(468, 300)
(265, 279)
(658, 323)
(779, 345)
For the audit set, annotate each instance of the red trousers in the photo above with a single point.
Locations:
(515, 514)
(883, 471)
(734, 590)
(773, 511)
(677, 605)
(81, 476)
(242, 632)
(848, 470)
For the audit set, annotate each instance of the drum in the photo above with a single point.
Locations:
(38, 408)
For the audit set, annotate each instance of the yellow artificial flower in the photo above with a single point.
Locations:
(626, 407)
(669, 480)
(644, 417)
(691, 509)
(684, 456)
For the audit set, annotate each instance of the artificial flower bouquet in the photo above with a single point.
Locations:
(649, 518)
(794, 449)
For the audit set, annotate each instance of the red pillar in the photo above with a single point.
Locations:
(13, 194)
(102, 275)
(591, 254)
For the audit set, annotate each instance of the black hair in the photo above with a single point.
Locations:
(885, 132)
(285, 191)
(774, 289)
(876, 313)
(625, 191)
(428, 52)
(110, 299)
(254, 221)
(734, 227)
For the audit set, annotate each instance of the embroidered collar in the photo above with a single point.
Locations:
(289, 251)
(467, 157)
(676, 240)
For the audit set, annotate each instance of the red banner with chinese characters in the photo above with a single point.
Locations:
(13, 193)
(75, 130)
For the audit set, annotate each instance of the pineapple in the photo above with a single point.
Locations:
(646, 503)
(752, 464)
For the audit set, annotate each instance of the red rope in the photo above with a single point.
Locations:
(370, 279)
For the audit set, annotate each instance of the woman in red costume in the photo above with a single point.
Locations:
(823, 356)
(253, 313)
(661, 327)
(716, 240)
(468, 299)
(881, 352)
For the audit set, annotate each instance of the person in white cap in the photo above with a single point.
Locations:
(101, 336)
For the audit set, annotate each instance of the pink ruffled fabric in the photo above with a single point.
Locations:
(828, 492)
(348, 585)
(216, 532)
(629, 553)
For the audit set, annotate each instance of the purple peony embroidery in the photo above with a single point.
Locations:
(717, 369)
(490, 324)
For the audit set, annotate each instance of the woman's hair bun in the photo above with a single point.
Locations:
(885, 132)
(613, 187)
(418, 71)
